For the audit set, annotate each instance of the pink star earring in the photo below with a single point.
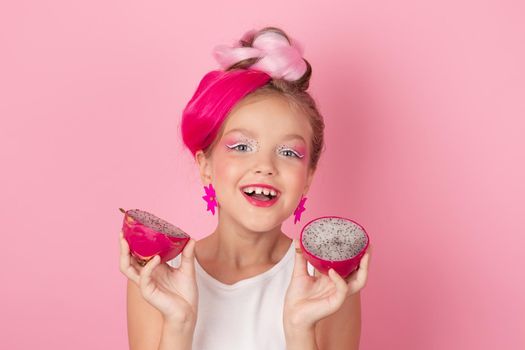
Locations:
(210, 198)
(299, 210)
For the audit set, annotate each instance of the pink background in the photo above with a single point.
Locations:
(424, 106)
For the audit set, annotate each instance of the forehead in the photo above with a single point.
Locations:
(268, 116)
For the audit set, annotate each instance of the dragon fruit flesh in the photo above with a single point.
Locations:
(334, 242)
(149, 235)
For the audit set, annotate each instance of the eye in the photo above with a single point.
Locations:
(239, 147)
(290, 153)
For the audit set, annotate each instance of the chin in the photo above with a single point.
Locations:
(259, 224)
(261, 227)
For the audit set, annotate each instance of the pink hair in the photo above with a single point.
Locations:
(217, 93)
(272, 56)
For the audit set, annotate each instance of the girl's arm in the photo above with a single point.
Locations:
(300, 339)
(329, 304)
(147, 329)
(342, 329)
(339, 331)
(144, 321)
(161, 300)
(175, 336)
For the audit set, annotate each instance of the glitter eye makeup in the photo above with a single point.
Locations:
(241, 143)
(233, 142)
(298, 151)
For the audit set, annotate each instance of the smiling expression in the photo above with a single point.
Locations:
(259, 166)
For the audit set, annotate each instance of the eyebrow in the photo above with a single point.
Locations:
(249, 133)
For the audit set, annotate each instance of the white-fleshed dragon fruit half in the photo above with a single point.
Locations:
(334, 242)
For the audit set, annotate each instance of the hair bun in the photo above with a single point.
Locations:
(269, 50)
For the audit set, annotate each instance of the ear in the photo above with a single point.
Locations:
(309, 178)
(204, 167)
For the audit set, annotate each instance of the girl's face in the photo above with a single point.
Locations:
(264, 142)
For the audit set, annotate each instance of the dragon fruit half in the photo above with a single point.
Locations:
(149, 235)
(334, 242)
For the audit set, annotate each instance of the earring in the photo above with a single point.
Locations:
(210, 198)
(299, 210)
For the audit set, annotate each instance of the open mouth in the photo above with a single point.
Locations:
(260, 196)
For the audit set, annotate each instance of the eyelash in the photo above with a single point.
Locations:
(237, 145)
(295, 154)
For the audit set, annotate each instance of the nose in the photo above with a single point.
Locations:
(265, 165)
(266, 172)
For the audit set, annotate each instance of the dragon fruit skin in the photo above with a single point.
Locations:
(146, 242)
(343, 267)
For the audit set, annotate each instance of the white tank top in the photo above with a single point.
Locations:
(246, 315)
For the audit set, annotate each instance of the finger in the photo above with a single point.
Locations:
(124, 247)
(369, 256)
(300, 266)
(365, 261)
(364, 266)
(357, 280)
(187, 263)
(135, 263)
(145, 281)
(125, 261)
(338, 298)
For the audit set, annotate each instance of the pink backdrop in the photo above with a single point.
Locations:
(424, 105)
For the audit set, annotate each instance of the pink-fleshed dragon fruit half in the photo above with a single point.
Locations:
(334, 242)
(149, 235)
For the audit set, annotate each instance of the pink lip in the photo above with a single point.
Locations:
(257, 202)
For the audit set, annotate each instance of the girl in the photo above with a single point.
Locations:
(256, 136)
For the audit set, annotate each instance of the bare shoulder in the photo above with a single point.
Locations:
(144, 321)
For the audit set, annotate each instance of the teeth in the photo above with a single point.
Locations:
(260, 190)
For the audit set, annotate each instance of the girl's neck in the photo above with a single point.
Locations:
(236, 247)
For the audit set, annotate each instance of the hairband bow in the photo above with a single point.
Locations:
(279, 58)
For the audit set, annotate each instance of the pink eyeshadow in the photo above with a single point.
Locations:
(300, 149)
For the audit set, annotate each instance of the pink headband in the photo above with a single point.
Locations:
(217, 93)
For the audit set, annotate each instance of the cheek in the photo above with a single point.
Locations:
(225, 169)
(223, 172)
(220, 170)
(296, 176)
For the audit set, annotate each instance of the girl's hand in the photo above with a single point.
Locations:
(312, 298)
(173, 291)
